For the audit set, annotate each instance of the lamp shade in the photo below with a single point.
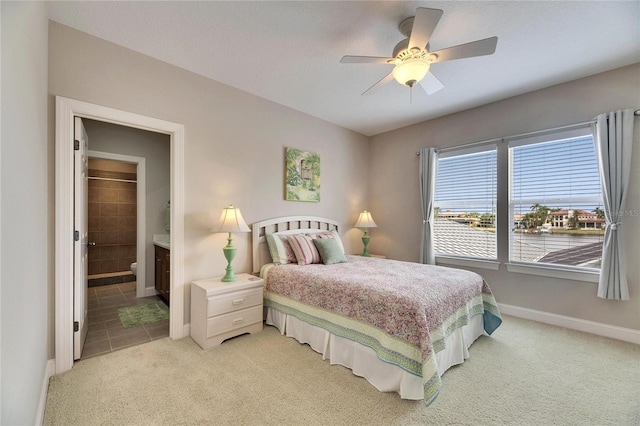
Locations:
(231, 221)
(365, 220)
(411, 71)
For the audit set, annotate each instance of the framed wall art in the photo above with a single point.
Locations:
(302, 176)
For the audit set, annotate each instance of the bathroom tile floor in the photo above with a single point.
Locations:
(106, 332)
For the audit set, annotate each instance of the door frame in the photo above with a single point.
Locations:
(66, 109)
(141, 213)
(81, 246)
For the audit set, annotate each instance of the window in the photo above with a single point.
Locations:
(555, 200)
(465, 203)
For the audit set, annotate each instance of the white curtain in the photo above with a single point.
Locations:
(428, 170)
(613, 138)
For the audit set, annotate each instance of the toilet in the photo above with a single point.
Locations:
(134, 268)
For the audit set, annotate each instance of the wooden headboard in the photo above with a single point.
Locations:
(259, 230)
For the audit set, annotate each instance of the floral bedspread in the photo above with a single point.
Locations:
(402, 310)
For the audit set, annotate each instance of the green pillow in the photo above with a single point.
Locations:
(330, 251)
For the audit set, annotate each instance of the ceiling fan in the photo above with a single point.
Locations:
(412, 58)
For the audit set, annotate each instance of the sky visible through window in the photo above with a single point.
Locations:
(558, 174)
(467, 183)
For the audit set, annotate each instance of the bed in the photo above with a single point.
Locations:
(400, 325)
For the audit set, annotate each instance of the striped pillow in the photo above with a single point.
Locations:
(280, 250)
(304, 249)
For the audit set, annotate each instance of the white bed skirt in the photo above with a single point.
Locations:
(363, 360)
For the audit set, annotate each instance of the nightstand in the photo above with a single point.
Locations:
(220, 310)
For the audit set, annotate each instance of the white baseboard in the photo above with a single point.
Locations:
(187, 330)
(49, 371)
(614, 332)
(150, 291)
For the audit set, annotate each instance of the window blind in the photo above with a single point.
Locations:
(465, 203)
(555, 200)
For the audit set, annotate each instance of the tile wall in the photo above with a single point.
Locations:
(112, 223)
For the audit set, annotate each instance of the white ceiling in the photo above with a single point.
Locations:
(289, 52)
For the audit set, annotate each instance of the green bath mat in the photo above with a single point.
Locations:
(134, 316)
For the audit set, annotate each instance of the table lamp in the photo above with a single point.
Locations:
(365, 221)
(230, 221)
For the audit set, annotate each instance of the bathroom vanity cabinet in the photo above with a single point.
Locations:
(163, 273)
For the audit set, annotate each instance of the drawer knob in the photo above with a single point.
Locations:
(237, 321)
(237, 302)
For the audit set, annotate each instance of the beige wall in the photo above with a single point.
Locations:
(25, 254)
(395, 200)
(234, 143)
(154, 147)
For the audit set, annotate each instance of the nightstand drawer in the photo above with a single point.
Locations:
(233, 320)
(230, 302)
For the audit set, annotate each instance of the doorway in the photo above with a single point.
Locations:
(66, 110)
(112, 218)
(148, 156)
(127, 197)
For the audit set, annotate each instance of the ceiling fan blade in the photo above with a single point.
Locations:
(424, 23)
(373, 89)
(366, 60)
(431, 84)
(483, 47)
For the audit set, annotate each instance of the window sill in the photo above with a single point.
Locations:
(554, 272)
(494, 265)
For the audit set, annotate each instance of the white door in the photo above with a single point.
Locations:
(80, 220)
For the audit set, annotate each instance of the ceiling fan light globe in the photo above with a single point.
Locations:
(411, 71)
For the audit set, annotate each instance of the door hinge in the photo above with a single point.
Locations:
(76, 235)
(76, 326)
(76, 145)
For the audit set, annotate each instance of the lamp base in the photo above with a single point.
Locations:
(365, 241)
(229, 277)
(229, 253)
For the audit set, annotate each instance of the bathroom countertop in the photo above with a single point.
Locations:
(162, 240)
(163, 245)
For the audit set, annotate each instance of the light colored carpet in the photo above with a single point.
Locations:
(527, 373)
